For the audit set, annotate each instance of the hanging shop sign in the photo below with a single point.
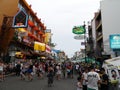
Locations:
(20, 20)
(48, 49)
(39, 46)
(79, 37)
(78, 30)
(47, 37)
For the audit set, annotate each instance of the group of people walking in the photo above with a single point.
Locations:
(92, 79)
(89, 78)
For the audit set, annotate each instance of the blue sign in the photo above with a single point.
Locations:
(114, 41)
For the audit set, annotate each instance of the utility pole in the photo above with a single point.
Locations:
(85, 40)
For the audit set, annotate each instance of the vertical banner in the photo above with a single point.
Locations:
(47, 37)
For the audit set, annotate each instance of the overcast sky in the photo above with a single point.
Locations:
(61, 16)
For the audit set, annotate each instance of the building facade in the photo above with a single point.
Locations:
(110, 24)
(19, 39)
(104, 24)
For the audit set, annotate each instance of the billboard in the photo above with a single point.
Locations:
(114, 41)
(20, 20)
(39, 46)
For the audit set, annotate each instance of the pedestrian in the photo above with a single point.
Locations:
(50, 76)
(18, 69)
(1, 71)
(30, 72)
(79, 83)
(23, 72)
(40, 71)
(64, 70)
(104, 84)
(84, 78)
(93, 79)
(77, 68)
(58, 73)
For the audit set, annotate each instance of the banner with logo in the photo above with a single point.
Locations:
(79, 30)
(39, 46)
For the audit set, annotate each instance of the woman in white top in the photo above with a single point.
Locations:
(58, 72)
(79, 83)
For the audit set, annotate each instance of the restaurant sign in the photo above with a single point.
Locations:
(78, 30)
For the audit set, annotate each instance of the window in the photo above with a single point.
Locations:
(35, 23)
(35, 33)
(29, 29)
(39, 28)
(30, 17)
(20, 6)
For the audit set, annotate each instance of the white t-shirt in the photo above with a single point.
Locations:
(1, 67)
(93, 78)
(77, 67)
(85, 78)
(79, 86)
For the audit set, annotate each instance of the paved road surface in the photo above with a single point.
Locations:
(14, 83)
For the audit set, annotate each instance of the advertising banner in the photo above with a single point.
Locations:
(114, 41)
(47, 37)
(39, 46)
(78, 30)
(20, 20)
(113, 75)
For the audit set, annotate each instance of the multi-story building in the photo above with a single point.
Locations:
(19, 39)
(110, 25)
(99, 35)
(104, 24)
(90, 44)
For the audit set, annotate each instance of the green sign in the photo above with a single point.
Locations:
(78, 30)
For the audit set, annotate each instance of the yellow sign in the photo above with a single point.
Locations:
(47, 37)
(39, 46)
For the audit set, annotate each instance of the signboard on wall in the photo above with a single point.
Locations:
(113, 75)
(39, 46)
(20, 20)
(114, 41)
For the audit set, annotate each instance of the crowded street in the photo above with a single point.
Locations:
(59, 45)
